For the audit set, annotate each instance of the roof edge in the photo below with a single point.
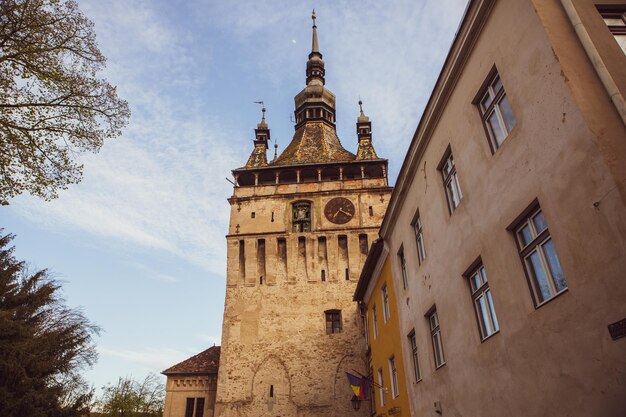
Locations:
(474, 18)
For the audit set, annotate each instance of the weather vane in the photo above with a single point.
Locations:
(262, 107)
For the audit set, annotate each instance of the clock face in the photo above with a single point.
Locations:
(339, 210)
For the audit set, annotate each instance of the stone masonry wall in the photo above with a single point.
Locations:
(276, 358)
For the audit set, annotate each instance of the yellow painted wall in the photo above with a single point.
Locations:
(385, 345)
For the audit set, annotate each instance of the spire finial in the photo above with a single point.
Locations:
(263, 110)
(314, 47)
(275, 150)
(361, 106)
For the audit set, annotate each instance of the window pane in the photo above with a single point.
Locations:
(540, 281)
(493, 311)
(199, 407)
(525, 235)
(452, 196)
(189, 407)
(497, 85)
(447, 168)
(486, 101)
(475, 281)
(555, 266)
(507, 114)
(433, 321)
(438, 349)
(483, 316)
(495, 129)
(540, 222)
(483, 274)
(458, 188)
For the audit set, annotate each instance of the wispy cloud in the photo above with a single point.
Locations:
(151, 358)
(161, 186)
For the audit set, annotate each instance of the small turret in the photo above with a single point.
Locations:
(364, 134)
(258, 158)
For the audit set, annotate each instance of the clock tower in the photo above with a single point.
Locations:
(300, 229)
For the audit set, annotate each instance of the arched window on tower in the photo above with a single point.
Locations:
(301, 216)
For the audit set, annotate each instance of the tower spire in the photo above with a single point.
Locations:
(315, 64)
(314, 46)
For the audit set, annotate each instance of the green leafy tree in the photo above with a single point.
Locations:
(52, 104)
(132, 398)
(43, 344)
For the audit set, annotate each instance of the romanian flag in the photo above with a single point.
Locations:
(360, 385)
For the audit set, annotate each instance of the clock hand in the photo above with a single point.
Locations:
(343, 211)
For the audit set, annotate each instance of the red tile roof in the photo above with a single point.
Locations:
(206, 362)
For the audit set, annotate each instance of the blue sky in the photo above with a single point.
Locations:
(139, 243)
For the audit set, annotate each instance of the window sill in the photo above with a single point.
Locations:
(440, 366)
(557, 295)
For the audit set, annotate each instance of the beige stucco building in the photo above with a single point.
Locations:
(191, 385)
(300, 228)
(510, 215)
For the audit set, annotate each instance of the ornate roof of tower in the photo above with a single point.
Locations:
(315, 139)
(314, 143)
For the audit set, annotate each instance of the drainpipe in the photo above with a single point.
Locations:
(596, 61)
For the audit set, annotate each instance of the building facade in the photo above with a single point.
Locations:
(376, 296)
(191, 385)
(300, 228)
(510, 212)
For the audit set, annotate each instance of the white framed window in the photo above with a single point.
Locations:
(450, 181)
(381, 389)
(539, 257)
(495, 110)
(385, 296)
(419, 238)
(402, 261)
(483, 302)
(414, 356)
(393, 372)
(435, 334)
(374, 322)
